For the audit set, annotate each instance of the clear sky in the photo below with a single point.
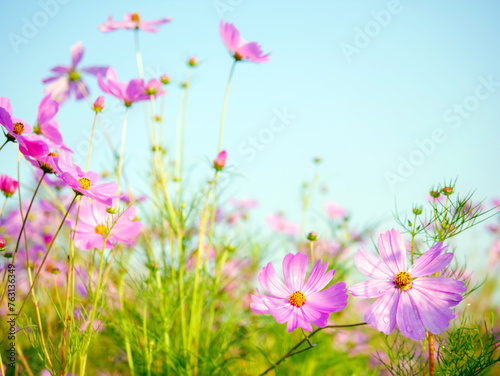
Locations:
(395, 96)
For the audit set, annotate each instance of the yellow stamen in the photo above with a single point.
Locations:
(403, 280)
(100, 229)
(18, 128)
(135, 17)
(85, 183)
(297, 299)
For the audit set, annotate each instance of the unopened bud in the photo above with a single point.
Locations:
(3, 243)
(8, 185)
(220, 161)
(447, 190)
(193, 62)
(165, 79)
(317, 160)
(417, 211)
(112, 210)
(312, 236)
(434, 194)
(99, 104)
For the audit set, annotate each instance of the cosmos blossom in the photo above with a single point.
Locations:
(133, 21)
(67, 79)
(94, 222)
(334, 210)
(407, 297)
(295, 302)
(18, 131)
(85, 183)
(239, 47)
(47, 124)
(280, 225)
(128, 92)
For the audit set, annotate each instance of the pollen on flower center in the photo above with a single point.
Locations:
(74, 76)
(18, 128)
(53, 154)
(403, 280)
(238, 56)
(85, 183)
(297, 299)
(135, 17)
(100, 229)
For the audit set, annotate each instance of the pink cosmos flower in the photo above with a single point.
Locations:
(133, 21)
(17, 130)
(280, 225)
(8, 185)
(240, 48)
(496, 202)
(84, 183)
(407, 298)
(98, 104)
(47, 124)
(68, 78)
(334, 210)
(3, 243)
(94, 222)
(128, 92)
(296, 302)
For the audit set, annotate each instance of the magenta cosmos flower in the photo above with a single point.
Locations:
(94, 222)
(8, 185)
(239, 47)
(47, 124)
(133, 21)
(18, 131)
(85, 183)
(128, 92)
(295, 302)
(67, 78)
(407, 297)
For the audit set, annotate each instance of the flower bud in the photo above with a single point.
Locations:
(417, 210)
(434, 194)
(193, 62)
(8, 185)
(99, 104)
(153, 87)
(220, 161)
(447, 190)
(165, 79)
(317, 160)
(111, 210)
(3, 243)
(185, 84)
(312, 236)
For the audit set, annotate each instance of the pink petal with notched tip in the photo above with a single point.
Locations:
(253, 52)
(294, 270)
(408, 319)
(435, 314)
(392, 249)
(431, 261)
(372, 266)
(332, 299)
(230, 35)
(258, 306)
(271, 283)
(382, 314)
(76, 53)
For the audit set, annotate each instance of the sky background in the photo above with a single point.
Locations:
(363, 83)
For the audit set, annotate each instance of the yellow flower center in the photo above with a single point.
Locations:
(74, 76)
(238, 56)
(85, 183)
(297, 299)
(18, 128)
(403, 280)
(135, 17)
(100, 229)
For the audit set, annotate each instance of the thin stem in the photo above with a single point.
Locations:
(291, 352)
(311, 249)
(306, 337)
(122, 148)
(21, 232)
(91, 138)
(431, 354)
(43, 261)
(5, 143)
(138, 55)
(3, 207)
(225, 106)
(413, 238)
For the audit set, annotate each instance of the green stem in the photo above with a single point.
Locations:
(91, 138)
(225, 106)
(3, 207)
(122, 148)
(5, 143)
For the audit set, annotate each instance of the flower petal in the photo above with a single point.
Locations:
(271, 283)
(435, 313)
(393, 251)
(258, 306)
(294, 270)
(315, 276)
(372, 266)
(333, 299)
(382, 314)
(431, 261)
(442, 288)
(370, 289)
(76, 53)
(409, 322)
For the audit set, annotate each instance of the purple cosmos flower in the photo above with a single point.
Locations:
(94, 222)
(128, 92)
(8, 185)
(133, 21)
(239, 47)
(47, 124)
(296, 302)
(68, 78)
(84, 183)
(407, 297)
(17, 130)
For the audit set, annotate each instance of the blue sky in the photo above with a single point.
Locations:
(394, 96)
